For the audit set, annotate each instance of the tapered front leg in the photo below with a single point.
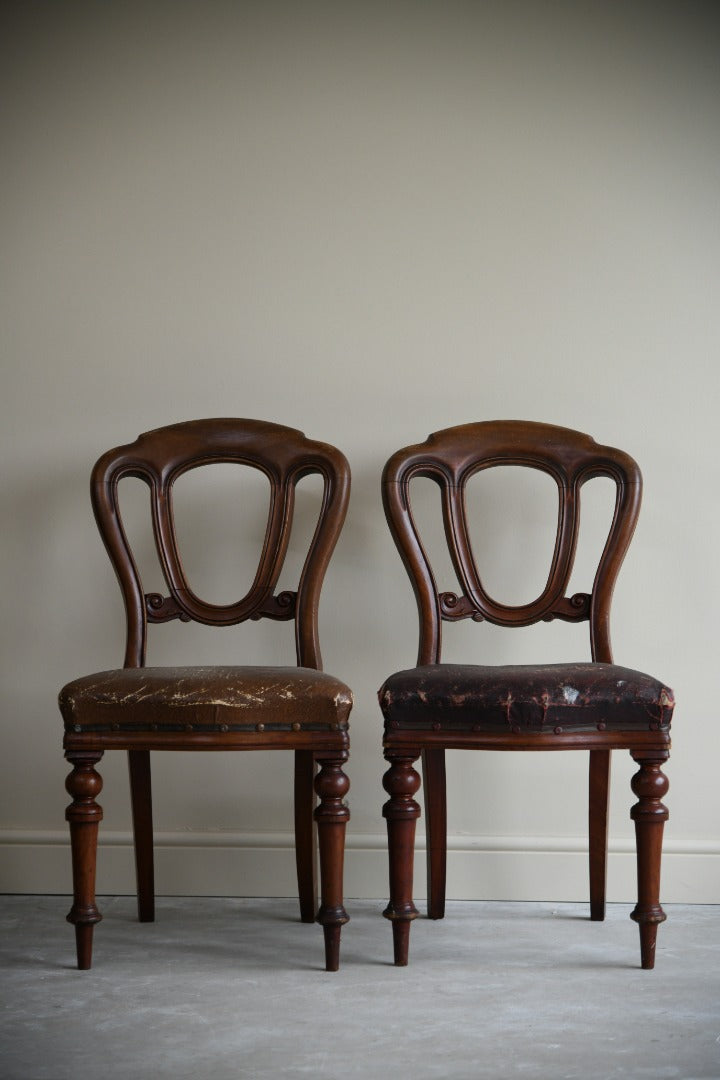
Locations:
(84, 816)
(649, 814)
(332, 815)
(401, 781)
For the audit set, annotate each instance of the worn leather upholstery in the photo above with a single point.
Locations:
(525, 698)
(206, 699)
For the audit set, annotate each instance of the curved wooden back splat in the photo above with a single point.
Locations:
(450, 458)
(158, 458)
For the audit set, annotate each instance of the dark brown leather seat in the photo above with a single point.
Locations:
(596, 707)
(519, 698)
(140, 709)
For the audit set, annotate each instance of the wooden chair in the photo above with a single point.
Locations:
(597, 707)
(139, 709)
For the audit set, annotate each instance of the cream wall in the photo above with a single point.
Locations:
(369, 221)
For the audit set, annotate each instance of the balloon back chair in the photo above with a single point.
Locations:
(596, 707)
(139, 709)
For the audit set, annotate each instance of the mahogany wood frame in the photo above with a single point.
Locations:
(284, 455)
(450, 458)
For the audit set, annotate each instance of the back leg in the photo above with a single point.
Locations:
(305, 845)
(141, 796)
(598, 829)
(434, 787)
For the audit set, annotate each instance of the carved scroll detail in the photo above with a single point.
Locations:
(575, 608)
(280, 607)
(454, 607)
(163, 609)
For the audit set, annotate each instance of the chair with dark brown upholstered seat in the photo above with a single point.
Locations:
(139, 709)
(596, 707)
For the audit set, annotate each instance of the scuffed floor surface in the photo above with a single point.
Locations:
(234, 989)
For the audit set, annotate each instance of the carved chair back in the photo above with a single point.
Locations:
(158, 458)
(450, 458)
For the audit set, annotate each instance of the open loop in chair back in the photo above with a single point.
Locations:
(159, 458)
(450, 458)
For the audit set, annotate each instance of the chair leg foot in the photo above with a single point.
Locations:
(648, 937)
(401, 941)
(332, 947)
(83, 945)
(401, 812)
(84, 816)
(332, 815)
(649, 814)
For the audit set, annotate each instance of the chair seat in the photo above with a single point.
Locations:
(206, 699)
(525, 698)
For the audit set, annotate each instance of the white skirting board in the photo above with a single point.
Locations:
(262, 864)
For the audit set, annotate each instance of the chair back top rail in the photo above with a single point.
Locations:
(450, 458)
(158, 458)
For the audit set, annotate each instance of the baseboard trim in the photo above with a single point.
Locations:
(221, 863)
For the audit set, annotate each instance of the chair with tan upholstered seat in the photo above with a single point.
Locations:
(141, 709)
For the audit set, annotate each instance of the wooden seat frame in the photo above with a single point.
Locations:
(158, 458)
(450, 458)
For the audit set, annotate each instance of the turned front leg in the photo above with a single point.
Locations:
(649, 814)
(84, 816)
(401, 781)
(332, 815)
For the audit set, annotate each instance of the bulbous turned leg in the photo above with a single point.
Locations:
(649, 814)
(401, 781)
(332, 815)
(84, 816)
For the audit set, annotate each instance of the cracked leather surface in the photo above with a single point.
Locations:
(522, 698)
(205, 698)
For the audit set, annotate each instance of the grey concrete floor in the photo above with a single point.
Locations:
(228, 989)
